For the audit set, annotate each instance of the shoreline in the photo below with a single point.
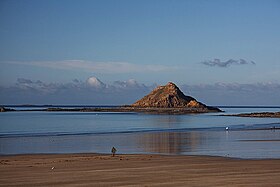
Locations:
(136, 169)
(90, 154)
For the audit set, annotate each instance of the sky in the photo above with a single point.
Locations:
(114, 52)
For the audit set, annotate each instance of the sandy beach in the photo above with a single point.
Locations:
(135, 170)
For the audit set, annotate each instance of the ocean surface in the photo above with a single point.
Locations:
(95, 132)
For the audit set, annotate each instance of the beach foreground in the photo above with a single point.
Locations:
(136, 170)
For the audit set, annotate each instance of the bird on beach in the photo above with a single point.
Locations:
(227, 128)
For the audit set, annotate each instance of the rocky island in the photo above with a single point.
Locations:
(168, 99)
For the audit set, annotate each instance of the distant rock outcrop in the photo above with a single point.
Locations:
(170, 96)
(257, 115)
(3, 109)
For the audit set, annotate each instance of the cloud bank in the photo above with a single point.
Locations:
(263, 94)
(224, 64)
(100, 67)
(95, 92)
(91, 91)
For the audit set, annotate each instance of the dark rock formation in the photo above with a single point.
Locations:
(3, 109)
(170, 96)
(258, 115)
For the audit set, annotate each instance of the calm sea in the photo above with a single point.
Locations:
(91, 132)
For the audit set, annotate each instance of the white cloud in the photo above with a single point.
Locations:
(95, 82)
(97, 67)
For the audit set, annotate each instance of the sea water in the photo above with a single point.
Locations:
(95, 132)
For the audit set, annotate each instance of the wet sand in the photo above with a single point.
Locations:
(135, 170)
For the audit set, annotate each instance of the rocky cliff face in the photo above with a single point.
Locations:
(169, 96)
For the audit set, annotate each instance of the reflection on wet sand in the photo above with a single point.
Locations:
(172, 142)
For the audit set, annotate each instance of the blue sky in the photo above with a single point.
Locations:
(57, 42)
